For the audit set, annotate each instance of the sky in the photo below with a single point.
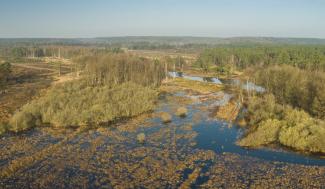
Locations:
(208, 18)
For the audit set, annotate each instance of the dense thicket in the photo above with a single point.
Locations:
(270, 122)
(75, 104)
(112, 87)
(299, 88)
(115, 69)
(226, 59)
(5, 70)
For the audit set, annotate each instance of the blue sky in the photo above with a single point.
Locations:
(214, 18)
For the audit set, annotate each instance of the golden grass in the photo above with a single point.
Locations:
(184, 84)
(181, 111)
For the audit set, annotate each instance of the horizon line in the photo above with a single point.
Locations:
(192, 36)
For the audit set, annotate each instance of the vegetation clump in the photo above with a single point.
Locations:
(165, 117)
(5, 70)
(73, 104)
(107, 92)
(181, 111)
(299, 88)
(141, 137)
(270, 123)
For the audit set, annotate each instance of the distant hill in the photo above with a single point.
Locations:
(172, 40)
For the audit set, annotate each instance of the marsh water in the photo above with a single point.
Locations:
(198, 145)
(221, 136)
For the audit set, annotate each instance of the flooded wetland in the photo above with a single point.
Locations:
(192, 149)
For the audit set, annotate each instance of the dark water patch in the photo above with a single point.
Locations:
(219, 137)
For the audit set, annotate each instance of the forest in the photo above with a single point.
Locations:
(112, 87)
(228, 59)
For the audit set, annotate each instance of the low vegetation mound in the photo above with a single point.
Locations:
(165, 117)
(181, 111)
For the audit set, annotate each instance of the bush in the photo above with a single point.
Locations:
(262, 108)
(141, 137)
(302, 132)
(166, 117)
(181, 112)
(267, 132)
(5, 70)
(289, 127)
(22, 121)
(3, 128)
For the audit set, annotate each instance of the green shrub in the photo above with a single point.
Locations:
(266, 133)
(302, 132)
(75, 104)
(22, 121)
(3, 128)
(263, 108)
(289, 127)
(303, 89)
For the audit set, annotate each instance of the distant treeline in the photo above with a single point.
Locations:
(226, 59)
(55, 51)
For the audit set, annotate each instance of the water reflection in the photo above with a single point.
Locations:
(249, 86)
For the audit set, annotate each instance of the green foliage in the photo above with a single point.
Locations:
(306, 57)
(22, 120)
(300, 88)
(267, 132)
(112, 87)
(3, 128)
(302, 132)
(263, 108)
(270, 122)
(114, 69)
(75, 104)
(5, 70)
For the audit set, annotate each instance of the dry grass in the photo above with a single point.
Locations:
(181, 111)
(184, 84)
(228, 112)
(141, 137)
(165, 117)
